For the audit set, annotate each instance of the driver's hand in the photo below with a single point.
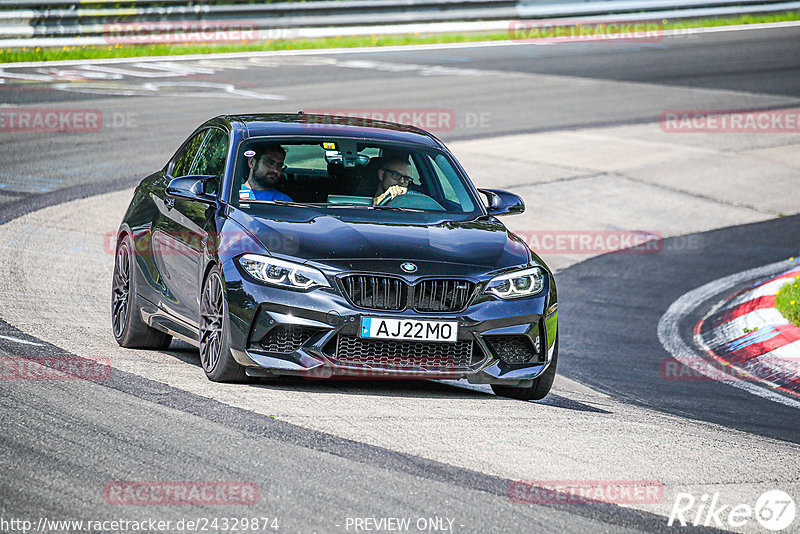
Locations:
(394, 191)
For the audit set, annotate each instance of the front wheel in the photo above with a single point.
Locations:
(541, 385)
(215, 352)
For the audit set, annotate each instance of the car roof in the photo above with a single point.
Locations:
(300, 124)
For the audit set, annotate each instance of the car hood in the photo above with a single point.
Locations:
(336, 241)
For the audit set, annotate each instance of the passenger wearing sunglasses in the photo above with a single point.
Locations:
(393, 180)
(266, 167)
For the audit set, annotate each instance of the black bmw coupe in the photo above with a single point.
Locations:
(321, 246)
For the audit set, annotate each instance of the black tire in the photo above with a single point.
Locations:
(541, 385)
(126, 318)
(214, 338)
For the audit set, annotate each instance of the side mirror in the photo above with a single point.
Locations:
(503, 202)
(191, 188)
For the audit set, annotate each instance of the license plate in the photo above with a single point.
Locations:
(408, 329)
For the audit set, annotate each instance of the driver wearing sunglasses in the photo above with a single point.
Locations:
(393, 180)
(266, 168)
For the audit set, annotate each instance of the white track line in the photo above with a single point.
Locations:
(17, 340)
(670, 337)
(382, 49)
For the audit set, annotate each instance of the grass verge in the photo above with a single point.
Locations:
(9, 55)
(787, 301)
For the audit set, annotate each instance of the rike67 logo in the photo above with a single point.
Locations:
(774, 510)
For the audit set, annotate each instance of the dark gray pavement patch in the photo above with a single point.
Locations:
(609, 324)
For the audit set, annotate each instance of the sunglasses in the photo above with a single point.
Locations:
(398, 177)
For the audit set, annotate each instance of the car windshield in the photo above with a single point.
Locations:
(347, 173)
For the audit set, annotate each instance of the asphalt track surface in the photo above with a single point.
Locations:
(63, 440)
(651, 284)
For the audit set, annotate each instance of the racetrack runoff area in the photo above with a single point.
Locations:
(624, 177)
(607, 182)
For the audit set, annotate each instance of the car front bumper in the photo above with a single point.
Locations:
(284, 332)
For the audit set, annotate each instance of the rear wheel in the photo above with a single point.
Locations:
(126, 318)
(541, 385)
(215, 352)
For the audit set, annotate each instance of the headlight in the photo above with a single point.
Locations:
(282, 273)
(517, 284)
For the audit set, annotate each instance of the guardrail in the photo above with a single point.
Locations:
(98, 22)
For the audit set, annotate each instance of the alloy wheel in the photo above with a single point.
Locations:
(120, 293)
(211, 313)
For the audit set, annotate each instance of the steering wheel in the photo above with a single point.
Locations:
(412, 199)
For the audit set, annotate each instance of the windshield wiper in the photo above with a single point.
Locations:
(398, 208)
(291, 203)
(279, 202)
(359, 206)
(371, 207)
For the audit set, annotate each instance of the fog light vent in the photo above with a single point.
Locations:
(514, 349)
(288, 337)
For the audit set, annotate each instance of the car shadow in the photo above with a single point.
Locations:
(568, 404)
(412, 388)
(184, 352)
(347, 386)
(382, 387)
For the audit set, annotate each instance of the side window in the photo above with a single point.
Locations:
(184, 158)
(211, 158)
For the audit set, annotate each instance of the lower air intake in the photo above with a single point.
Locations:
(405, 355)
(288, 338)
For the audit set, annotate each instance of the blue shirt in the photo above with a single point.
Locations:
(245, 193)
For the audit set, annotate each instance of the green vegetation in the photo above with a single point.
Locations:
(8, 55)
(114, 51)
(787, 300)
